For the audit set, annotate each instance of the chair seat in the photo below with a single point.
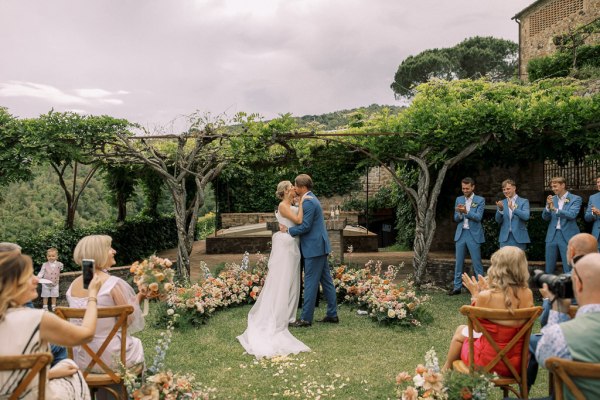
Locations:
(100, 380)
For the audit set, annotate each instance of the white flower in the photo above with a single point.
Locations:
(170, 311)
(418, 380)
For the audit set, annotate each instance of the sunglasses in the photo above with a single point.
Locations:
(575, 259)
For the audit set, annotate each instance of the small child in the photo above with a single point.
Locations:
(51, 271)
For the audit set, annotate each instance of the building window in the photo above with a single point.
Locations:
(579, 175)
(552, 13)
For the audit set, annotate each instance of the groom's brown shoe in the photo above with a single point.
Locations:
(300, 323)
(332, 320)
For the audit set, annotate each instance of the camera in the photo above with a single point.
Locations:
(559, 285)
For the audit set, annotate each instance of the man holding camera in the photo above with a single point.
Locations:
(576, 339)
(592, 213)
(561, 211)
(579, 245)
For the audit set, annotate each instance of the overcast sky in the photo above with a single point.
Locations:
(151, 61)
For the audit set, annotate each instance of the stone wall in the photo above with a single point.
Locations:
(546, 19)
(230, 220)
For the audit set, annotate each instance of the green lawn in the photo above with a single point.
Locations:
(356, 359)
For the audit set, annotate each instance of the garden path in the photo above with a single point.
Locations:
(213, 260)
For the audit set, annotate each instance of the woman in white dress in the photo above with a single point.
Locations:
(25, 330)
(267, 334)
(115, 291)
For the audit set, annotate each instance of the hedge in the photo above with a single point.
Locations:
(135, 239)
(559, 64)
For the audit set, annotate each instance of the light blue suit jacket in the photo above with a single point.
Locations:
(314, 240)
(589, 217)
(516, 225)
(474, 216)
(568, 217)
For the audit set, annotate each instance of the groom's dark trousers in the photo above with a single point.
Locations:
(316, 271)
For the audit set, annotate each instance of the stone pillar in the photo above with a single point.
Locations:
(335, 231)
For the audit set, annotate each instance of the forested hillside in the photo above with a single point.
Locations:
(31, 207)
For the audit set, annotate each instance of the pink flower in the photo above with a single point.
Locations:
(403, 377)
(410, 393)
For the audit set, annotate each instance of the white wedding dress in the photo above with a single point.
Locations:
(267, 334)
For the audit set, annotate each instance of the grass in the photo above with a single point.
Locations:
(395, 247)
(356, 359)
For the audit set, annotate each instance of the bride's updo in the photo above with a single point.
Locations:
(282, 187)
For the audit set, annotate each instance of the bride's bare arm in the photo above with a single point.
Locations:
(286, 211)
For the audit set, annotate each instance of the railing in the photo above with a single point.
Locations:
(579, 175)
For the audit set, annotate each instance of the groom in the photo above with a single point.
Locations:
(314, 244)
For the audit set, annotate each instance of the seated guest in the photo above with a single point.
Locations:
(576, 339)
(579, 245)
(25, 330)
(59, 353)
(505, 288)
(115, 291)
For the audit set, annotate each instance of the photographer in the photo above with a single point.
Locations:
(577, 339)
(579, 245)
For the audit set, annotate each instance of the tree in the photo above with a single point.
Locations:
(16, 157)
(120, 180)
(472, 58)
(66, 140)
(186, 163)
(450, 121)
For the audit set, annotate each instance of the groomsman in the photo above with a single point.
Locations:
(512, 214)
(592, 213)
(561, 210)
(468, 212)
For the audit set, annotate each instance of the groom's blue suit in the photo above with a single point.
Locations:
(314, 244)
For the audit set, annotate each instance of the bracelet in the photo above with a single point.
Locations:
(92, 299)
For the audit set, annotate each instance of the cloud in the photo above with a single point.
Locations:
(54, 95)
(40, 91)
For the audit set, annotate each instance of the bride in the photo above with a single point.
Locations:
(267, 334)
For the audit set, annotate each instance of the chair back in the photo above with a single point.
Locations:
(36, 363)
(121, 314)
(564, 370)
(529, 315)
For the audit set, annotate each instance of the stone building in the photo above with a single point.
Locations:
(544, 19)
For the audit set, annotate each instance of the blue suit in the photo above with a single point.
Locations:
(513, 231)
(557, 239)
(470, 239)
(314, 244)
(589, 217)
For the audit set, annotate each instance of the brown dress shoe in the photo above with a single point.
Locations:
(300, 323)
(332, 320)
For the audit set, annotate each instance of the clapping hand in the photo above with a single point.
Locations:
(550, 202)
(500, 205)
(595, 211)
(461, 208)
(474, 285)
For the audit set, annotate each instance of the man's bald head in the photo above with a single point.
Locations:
(581, 244)
(588, 269)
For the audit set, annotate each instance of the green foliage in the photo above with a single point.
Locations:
(135, 239)
(267, 157)
(475, 57)
(205, 226)
(343, 118)
(560, 64)
(476, 386)
(15, 156)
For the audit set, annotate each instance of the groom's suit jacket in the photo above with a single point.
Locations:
(314, 240)
(589, 217)
(516, 224)
(567, 216)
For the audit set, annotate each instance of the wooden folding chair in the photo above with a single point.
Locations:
(109, 376)
(36, 363)
(563, 370)
(474, 315)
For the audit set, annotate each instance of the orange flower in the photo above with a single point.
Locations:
(420, 369)
(466, 394)
(153, 286)
(403, 377)
(410, 393)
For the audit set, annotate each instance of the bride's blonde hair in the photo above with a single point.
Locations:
(282, 187)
